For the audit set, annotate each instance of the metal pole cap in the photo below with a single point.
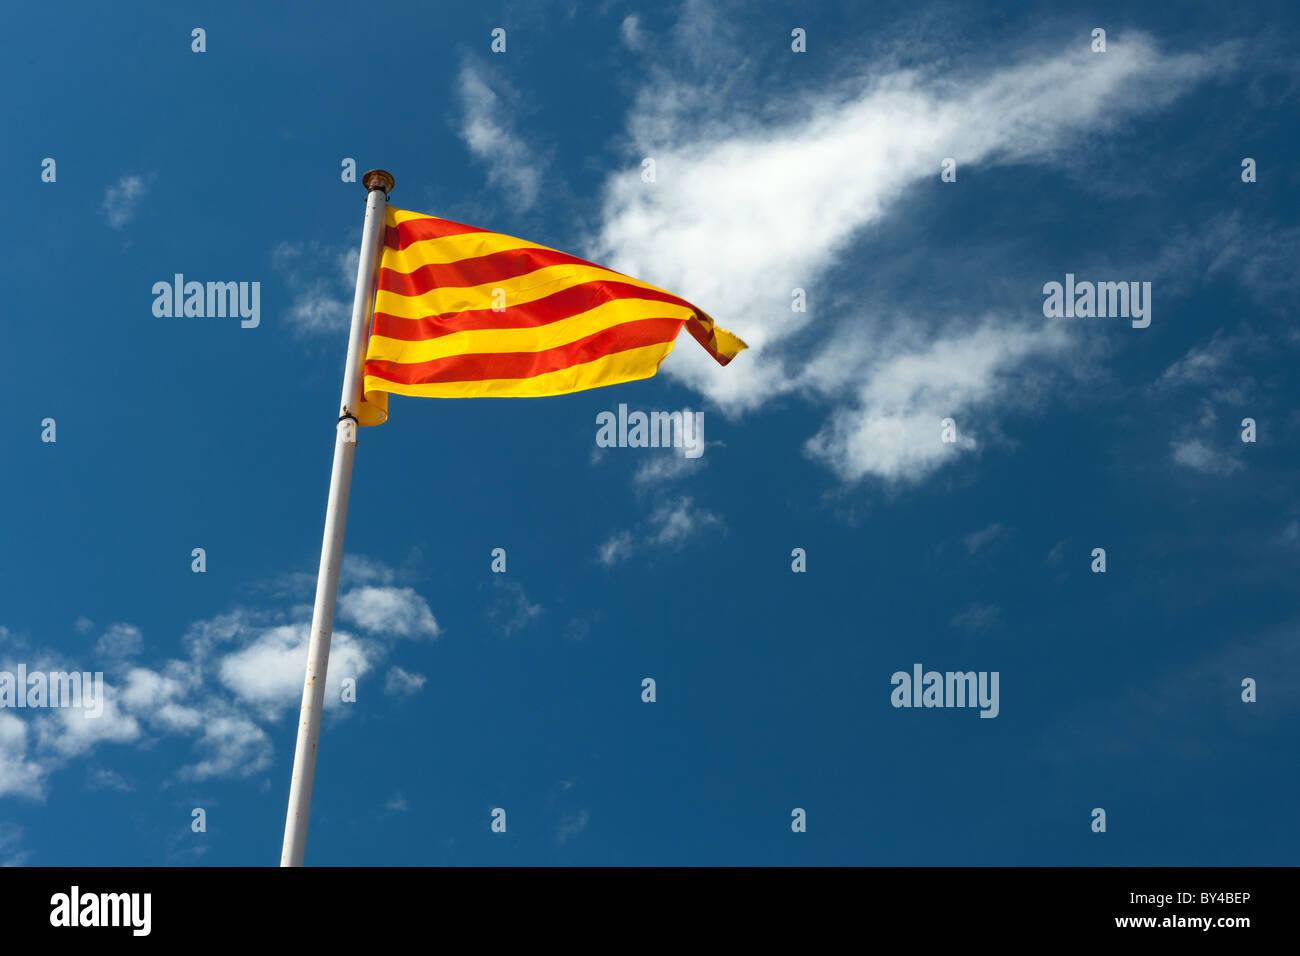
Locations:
(378, 179)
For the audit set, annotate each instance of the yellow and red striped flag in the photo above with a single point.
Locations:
(461, 312)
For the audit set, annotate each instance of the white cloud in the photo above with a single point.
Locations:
(978, 539)
(388, 611)
(665, 467)
(1198, 455)
(154, 697)
(1255, 252)
(321, 279)
(748, 205)
(120, 641)
(11, 835)
(269, 671)
(18, 775)
(630, 31)
(122, 199)
(512, 611)
(1218, 376)
(241, 667)
(671, 523)
(72, 731)
(147, 690)
(1201, 365)
(401, 683)
(358, 570)
(892, 428)
(232, 746)
(571, 824)
(616, 549)
(102, 778)
(397, 804)
(487, 131)
(977, 617)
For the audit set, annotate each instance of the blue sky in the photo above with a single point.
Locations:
(775, 170)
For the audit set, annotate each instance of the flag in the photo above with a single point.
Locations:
(461, 312)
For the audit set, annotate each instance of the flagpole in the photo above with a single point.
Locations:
(378, 184)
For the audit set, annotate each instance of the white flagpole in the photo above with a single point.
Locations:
(379, 184)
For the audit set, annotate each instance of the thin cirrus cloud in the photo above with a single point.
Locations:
(320, 279)
(1200, 456)
(1211, 380)
(671, 523)
(736, 222)
(489, 133)
(402, 683)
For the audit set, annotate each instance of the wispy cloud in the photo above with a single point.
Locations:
(396, 804)
(665, 467)
(571, 824)
(671, 524)
(11, 853)
(1215, 378)
(1199, 456)
(120, 641)
(321, 279)
(736, 222)
(985, 536)
(488, 131)
(402, 683)
(511, 611)
(630, 32)
(616, 549)
(20, 775)
(102, 778)
(977, 617)
(1190, 708)
(123, 198)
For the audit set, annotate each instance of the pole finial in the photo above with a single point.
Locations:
(378, 179)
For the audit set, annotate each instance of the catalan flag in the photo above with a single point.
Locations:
(461, 312)
(458, 312)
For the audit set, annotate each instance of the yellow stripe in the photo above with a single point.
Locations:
(724, 342)
(537, 284)
(535, 339)
(467, 245)
(374, 408)
(395, 217)
(626, 366)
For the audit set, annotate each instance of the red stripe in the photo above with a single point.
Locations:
(700, 332)
(480, 270)
(413, 230)
(479, 366)
(558, 305)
